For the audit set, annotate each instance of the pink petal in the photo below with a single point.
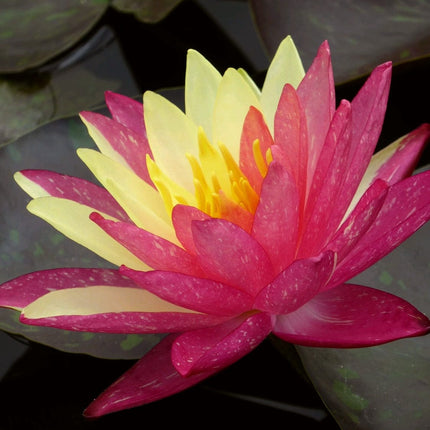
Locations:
(317, 96)
(128, 322)
(402, 163)
(21, 291)
(182, 218)
(368, 110)
(132, 146)
(127, 112)
(296, 285)
(217, 347)
(78, 190)
(351, 316)
(230, 255)
(156, 252)
(326, 183)
(406, 208)
(359, 221)
(276, 218)
(198, 294)
(291, 137)
(254, 127)
(152, 378)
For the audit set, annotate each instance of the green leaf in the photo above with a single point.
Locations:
(385, 387)
(361, 34)
(77, 83)
(149, 11)
(33, 32)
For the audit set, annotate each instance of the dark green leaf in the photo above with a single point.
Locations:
(34, 32)
(30, 100)
(361, 34)
(146, 10)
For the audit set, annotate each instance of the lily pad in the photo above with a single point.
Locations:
(149, 11)
(28, 243)
(34, 32)
(388, 386)
(361, 34)
(77, 83)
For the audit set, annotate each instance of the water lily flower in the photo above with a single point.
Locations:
(242, 217)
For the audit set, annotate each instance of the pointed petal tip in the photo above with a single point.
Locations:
(385, 69)
(324, 48)
(345, 104)
(89, 117)
(96, 217)
(17, 176)
(113, 97)
(424, 128)
(109, 93)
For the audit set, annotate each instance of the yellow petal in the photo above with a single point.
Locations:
(171, 193)
(30, 187)
(250, 82)
(286, 67)
(232, 103)
(103, 144)
(97, 300)
(201, 86)
(171, 134)
(140, 200)
(72, 219)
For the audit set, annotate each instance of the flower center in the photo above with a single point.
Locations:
(221, 189)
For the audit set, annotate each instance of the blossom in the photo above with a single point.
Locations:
(241, 217)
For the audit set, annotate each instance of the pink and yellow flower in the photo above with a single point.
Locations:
(241, 217)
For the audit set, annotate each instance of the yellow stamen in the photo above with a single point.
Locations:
(212, 162)
(269, 156)
(215, 184)
(258, 157)
(231, 164)
(170, 191)
(219, 183)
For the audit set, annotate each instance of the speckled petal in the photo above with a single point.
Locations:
(43, 183)
(198, 294)
(368, 110)
(21, 291)
(156, 252)
(396, 161)
(276, 219)
(152, 378)
(326, 184)
(126, 111)
(351, 316)
(359, 221)
(112, 309)
(296, 285)
(254, 127)
(217, 347)
(317, 97)
(405, 209)
(141, 201)
(230, 255)
(291, 137)
(182, 218)
(119, 143)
